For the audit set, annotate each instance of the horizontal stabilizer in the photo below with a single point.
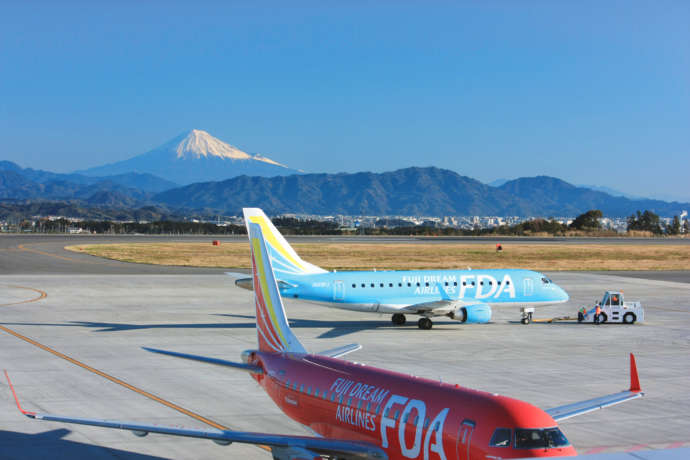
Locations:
(340, 351)
(583, 407)
(204, 359)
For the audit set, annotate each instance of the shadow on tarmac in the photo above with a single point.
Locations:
(337, 328)
(50, 444)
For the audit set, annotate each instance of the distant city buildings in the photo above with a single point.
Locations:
(344, 222)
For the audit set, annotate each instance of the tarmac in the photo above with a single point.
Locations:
(72, 327)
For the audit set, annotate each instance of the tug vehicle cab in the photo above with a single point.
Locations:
(612, 309)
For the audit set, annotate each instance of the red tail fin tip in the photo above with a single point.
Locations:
(634, 379)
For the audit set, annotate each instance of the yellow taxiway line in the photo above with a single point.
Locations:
(115, 380)
(41, 295)
(21, 247)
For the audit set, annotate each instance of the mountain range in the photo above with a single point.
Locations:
(197, 173)
(410, 191)
(194, 156)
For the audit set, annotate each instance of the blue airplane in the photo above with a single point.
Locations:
(463, 295)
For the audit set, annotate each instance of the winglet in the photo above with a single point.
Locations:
(634, 379)
(19, 406)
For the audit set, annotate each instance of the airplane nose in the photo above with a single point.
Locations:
(562, 295)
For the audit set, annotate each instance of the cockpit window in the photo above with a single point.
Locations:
(540, 438)
(501, 438)
(545, 280)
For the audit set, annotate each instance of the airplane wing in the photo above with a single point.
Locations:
(572, 410)
(282, 446)
(440, 307)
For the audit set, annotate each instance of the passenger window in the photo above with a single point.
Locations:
(498, 282)
(500, 438)
(390, 284)
(399, 284)
(354, 285)
(362, 284)
(427, 284)
(426, 423)
(294, 386)
(418, 284)
(287, 383)
(455, 283)
(309, 391)
(395, 417)
(381, 285)
(407, 415)
(349, 402)
(472, 283)
(301, 388)
(409, 284)
(316, 392)
(507, 282)
(446, 283)
(332, 397)
(340, 400)
(481, 283)
(378, 409)
(359, 404)
(386, 412)
(416, 420)
(368, 406)
(372, 284)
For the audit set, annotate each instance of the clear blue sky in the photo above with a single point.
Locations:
(591, 92)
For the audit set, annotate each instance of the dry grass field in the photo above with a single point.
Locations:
(339, 256)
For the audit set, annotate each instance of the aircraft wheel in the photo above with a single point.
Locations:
(603, 318)
(629, 318)
(527, 318)
(424, 323)
(580, 317)
(398, 319)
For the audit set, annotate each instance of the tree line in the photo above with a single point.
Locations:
(584, 224)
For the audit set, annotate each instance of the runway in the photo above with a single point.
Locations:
(70, 315)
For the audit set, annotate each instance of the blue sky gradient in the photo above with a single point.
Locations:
(591, 92)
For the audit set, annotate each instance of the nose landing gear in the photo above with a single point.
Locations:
(526, 314)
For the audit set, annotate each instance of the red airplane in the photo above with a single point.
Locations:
(363, 412)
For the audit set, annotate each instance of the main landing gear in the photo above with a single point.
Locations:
(398, 319)
(424, 323)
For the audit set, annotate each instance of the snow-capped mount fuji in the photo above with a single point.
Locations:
(195, 156)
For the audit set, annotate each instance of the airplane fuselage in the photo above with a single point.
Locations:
(391, 291)
(409, 417)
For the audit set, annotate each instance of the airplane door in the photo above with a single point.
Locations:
(338, 291)
(528, 286)
(462, 448)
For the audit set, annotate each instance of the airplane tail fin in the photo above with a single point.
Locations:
(272, 328)
(285, 260)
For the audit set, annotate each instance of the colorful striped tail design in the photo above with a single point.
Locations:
(286, 262)
(272, 327)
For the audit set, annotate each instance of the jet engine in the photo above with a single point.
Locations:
(476, 313)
